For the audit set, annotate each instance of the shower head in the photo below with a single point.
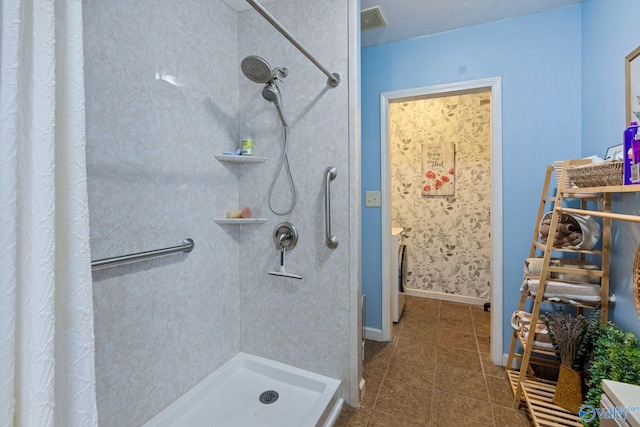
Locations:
(258, 70)
(272, 94)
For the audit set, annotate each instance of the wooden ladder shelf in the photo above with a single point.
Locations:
(536, 393)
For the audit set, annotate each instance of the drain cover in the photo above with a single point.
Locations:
(269, 396)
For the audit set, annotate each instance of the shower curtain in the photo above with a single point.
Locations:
(46, 315)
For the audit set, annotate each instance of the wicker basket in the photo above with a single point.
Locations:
(557, 169)
(596, 174)
(568, 394)
(545, 373)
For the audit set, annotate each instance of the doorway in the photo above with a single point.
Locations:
(416, 145)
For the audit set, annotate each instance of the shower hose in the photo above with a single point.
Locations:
(284, 162)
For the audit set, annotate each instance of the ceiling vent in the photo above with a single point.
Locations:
(371, 18)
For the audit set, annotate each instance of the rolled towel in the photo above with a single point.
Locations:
(568, 228)
(585, 225)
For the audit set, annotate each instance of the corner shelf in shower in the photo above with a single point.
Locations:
(232, 158)
(240, 221)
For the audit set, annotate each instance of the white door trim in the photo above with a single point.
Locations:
(494, 84)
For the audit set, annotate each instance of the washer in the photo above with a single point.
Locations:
(398, 268)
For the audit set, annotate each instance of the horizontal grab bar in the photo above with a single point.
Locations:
(186, 246)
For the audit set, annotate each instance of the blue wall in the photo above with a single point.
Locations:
(609, 33)
(539, 59)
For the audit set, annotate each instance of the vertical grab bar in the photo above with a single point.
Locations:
(330, 174)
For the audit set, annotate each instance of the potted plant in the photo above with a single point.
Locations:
(573, 339)
(616, 357)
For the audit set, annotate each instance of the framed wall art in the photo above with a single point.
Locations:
(632, 84)
(614, 152)
(438, 169)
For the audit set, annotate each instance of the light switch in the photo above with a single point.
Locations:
(372, 199)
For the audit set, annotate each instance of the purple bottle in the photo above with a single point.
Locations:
(629, 135)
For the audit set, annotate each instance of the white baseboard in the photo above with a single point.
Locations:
(373, 334)
(421, 293)
(516, 362)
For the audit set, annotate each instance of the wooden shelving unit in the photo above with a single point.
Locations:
(537, 394)
(538, 397)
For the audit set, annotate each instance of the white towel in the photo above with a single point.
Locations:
(521, 323)
(567, 293)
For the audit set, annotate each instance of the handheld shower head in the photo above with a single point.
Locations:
(272, 94)
(258, 70)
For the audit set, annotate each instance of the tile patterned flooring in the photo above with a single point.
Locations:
(436, 372)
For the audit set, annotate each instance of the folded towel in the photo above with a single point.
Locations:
(533, 267)
(567, 293)
(521, 323)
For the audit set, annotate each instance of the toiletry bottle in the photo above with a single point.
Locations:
(246, 148)
(627, 151)
(635, 162)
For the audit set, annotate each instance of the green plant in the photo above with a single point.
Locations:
(616, 357)
(573, 338)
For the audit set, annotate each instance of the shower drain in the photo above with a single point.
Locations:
(269, 396)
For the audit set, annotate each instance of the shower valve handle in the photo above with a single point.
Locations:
(285, 236)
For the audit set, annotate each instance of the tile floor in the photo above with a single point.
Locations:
(436, 372)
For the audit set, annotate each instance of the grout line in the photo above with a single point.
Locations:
(484, 372)
(435, 373)
(394, 344)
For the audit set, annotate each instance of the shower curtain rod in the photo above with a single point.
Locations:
(334, 79)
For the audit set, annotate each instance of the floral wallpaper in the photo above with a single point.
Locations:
(448, 237)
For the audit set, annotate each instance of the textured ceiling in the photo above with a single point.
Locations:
(413, 18)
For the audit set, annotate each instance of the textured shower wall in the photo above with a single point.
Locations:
(305, 323)
(448, 238)
(161, 325)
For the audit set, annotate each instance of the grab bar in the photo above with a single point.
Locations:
(186, 246)
(330, 174)
(334, 79)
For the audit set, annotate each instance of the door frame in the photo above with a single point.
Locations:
(494, 85)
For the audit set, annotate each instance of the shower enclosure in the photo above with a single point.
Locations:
(165, 93)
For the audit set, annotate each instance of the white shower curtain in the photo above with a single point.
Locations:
(46, 317)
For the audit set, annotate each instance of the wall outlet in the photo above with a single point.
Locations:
(372, 199)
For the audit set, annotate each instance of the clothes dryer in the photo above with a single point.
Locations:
(398, 269)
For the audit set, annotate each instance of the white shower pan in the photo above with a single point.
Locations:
(233, 395)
